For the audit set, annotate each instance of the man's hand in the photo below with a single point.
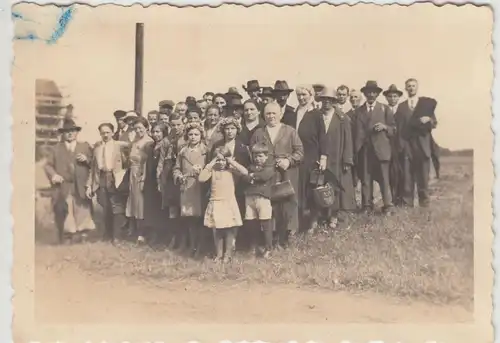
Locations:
(425, 120)
(81, 158)
(88, 192)
(379, 127)
(284, 163)
(56, 179)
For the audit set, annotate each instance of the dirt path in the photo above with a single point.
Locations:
(69, 295)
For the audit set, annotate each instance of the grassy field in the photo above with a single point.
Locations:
(424, 254)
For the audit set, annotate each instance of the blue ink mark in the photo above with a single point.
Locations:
(29, 36)
(62, 24)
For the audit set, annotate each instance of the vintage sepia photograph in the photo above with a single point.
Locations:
(314, 167)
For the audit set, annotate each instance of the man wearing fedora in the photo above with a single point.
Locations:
(126, 133)
(281, 94)
(392, 94)
(108, 180)
(415, 120)
(68, 169)
(166, 107)
(318, 88)
(374, 128)
(121, 127)
(253, 90)
(232, 93)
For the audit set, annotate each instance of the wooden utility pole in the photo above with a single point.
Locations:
(139, 61)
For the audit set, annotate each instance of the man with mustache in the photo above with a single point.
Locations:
(281, 93)
(374, 128)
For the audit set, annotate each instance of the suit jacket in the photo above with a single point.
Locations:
(119, 164)
(290, 117)
(287, 145)
(63, 162)
(415, 138)
(366, 135)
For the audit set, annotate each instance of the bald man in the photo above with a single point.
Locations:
(287, 152)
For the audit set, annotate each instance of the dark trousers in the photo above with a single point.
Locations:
(372, 169)
(415, 171)
(113, 202)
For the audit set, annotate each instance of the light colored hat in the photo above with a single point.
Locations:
(131, 115)
(327, 92)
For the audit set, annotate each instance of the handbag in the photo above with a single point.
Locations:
(323, 193)
(283, 189)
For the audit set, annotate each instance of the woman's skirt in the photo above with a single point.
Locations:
(222, 214)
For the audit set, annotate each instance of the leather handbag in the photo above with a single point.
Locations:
(283, 189)
(323, 193)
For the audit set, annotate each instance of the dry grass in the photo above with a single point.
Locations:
(422, 254)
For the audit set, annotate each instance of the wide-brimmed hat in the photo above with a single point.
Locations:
(252, 86)
(166, 104)
(392, 89)
(232, 92)
(281, 86)
(131, 116)
(119, 114)
(327, 93)
(69, 125)
(371, 85)
(318, 87)
(235, 103)
(267, 92)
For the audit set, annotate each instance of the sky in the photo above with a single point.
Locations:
(192, 50)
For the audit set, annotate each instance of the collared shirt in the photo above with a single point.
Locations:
(345, 107)
(412, 102)
(394, 108)
(106, 163)
(273, 132)
(327, 118)
(70, 146)
(370, 108)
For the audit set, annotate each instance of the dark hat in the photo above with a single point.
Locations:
(190, 99)
(69, 125)
(371, 85)
(392, 89)
(166, 104)
(233, 93)
(235, 103)
(281, 86)
(318, 87)
(119, 114)
(252, 86)
(267, 92)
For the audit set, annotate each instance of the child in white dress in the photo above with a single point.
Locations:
(222, 214)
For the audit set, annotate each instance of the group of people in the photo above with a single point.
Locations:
(210, 174)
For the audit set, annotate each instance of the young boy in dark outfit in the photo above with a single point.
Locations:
(257, 198)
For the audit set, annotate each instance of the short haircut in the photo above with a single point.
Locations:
(411, 80)
(343, 87)
(213, 107)
(194, 109)
(260, 148)
(111, 127)
(143, 121)
(208, 94)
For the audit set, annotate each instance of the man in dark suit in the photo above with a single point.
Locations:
(355, 98)
(68, 168)
(415, 120)
(374, 128)
(121, 126)
(281, 94)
